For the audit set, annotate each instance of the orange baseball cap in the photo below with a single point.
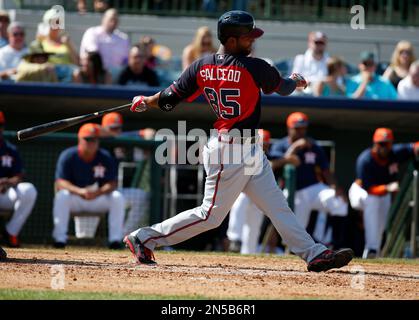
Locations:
(265, 134)
(113, 119)
(297, 120)
(2, 118)
(383, 135)
(89, 130)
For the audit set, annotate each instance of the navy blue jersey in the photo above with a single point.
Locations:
(232, 86)
(11, 164)
(71, 167)
(372, 172)
(311, 159)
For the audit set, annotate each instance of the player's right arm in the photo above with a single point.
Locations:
(167, 99)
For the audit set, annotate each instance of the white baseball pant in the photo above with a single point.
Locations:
(66, 202)
(244, 225)
(318, 197)
(21, 199)
(375, 212)
(224, 182)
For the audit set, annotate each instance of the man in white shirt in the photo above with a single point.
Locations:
(112, 44)
(11, 54)
(408, 88)
(313, 63)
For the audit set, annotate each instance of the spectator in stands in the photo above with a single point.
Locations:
(86, 181)
(408, 88)
(91, 70)
(98, 6)
(316, 187)
(35, 66)
(368, 84)
(149, 43)
(58, 42)
(377, 171)
(313, 63)
(332, 85)
(4, 24)
(12, 53)
(137, 72)
(402, 58)
(201, 45)
(112, 44)
(15, 194)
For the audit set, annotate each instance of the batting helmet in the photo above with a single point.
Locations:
(235, 24)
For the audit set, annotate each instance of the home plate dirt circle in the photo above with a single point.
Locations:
(206, 275)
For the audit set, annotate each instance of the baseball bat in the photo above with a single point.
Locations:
(53, 126)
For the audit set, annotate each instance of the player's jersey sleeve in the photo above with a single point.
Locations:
(278, 150)
(267, 77)
(403, 151)
(17, 167)
(321, 159)
(363, 172)
(111, 167)
(63, 169)
(186, 86)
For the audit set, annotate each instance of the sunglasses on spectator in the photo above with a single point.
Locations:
(368, 63)
(384, 144)
(4, 19)
(407, 52)
(319, 42)
(18, 34)
(91, 139)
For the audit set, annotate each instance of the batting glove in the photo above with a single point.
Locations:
(301, 82)
(138, 104)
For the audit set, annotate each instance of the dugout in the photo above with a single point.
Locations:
(348, 123)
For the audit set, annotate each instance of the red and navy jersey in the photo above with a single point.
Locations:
(10, 161)
(232, 86)
(373, 172)
(310, 158)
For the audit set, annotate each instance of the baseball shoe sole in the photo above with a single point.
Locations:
(330, 259)
(3, 254)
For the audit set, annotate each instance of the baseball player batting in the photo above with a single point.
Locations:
(231, 82)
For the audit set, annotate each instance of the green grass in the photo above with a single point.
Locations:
(20, 294)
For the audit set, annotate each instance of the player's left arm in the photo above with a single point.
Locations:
(270, 79)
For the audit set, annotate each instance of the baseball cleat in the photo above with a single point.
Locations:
(330, 259)
(3, 254)
(142, 254)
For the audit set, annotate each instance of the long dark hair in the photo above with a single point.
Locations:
(96, 65)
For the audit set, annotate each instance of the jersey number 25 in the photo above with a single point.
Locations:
(226, 107)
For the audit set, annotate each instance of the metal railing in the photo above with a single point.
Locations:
(402, 217)
(393, 12)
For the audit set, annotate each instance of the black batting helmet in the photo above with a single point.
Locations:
(235, 24)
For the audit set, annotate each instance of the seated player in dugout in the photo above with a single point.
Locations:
(232, 82)
(15, 195)
(316, 187)
(136, 198)
(377, 170)
(86, 181)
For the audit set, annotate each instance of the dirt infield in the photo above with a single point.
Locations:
(208, 275)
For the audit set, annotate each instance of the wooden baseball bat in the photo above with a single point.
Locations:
(53, 126)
